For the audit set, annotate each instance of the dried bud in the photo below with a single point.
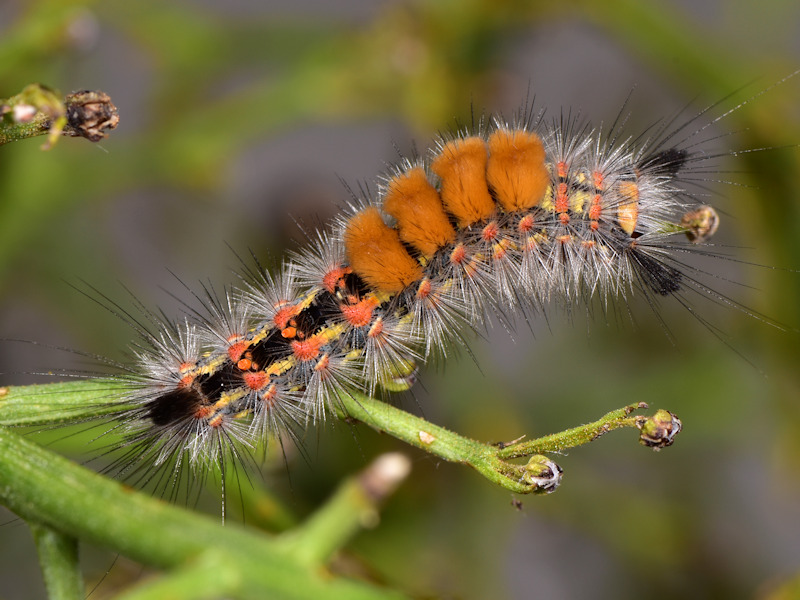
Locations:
(659, 431)
(90, 114)
(381, 478)
(543, 474)
(700, 224)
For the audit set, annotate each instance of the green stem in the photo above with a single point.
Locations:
(577, 436)
(212, 575)
(43, 487)
(354, 506)
(58, 556)
(435, 440)
(60, 403)
(539, 474)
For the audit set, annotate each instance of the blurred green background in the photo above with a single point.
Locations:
(238, 119)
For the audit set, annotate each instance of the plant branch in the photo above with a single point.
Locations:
(59, 403)
(656, 432)
(211, 575)
(539, 474)
(38, 110)
(354, 506)
(58, 556)
(74, 401)
(46, 488)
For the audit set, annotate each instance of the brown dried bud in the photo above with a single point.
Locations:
(659, 431)
(89, 115)
(700, 224)
(543, 474)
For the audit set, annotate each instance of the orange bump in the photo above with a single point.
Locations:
(255, 380)
(283, 314)
(490, 232)
(335, 277)
(598, 179)
(203, 412)
(360, 313)
(424, 288)
(377, 255)
(461, 165)
(562, 199)
(236, 350)
(596, 208)
(417, 207)
(458, 255)
(306, 350)
(516, 171)
(628, 209)
(526, 223)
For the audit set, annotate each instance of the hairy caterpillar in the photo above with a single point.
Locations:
(506, 216)
(499, 219)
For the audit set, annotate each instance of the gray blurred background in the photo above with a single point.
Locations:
(237, 121)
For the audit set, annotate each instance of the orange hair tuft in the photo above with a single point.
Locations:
(377, 255)
(416, 206)
(461, 165)
(516, 171)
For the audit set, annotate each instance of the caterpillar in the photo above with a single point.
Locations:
(502, 217)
